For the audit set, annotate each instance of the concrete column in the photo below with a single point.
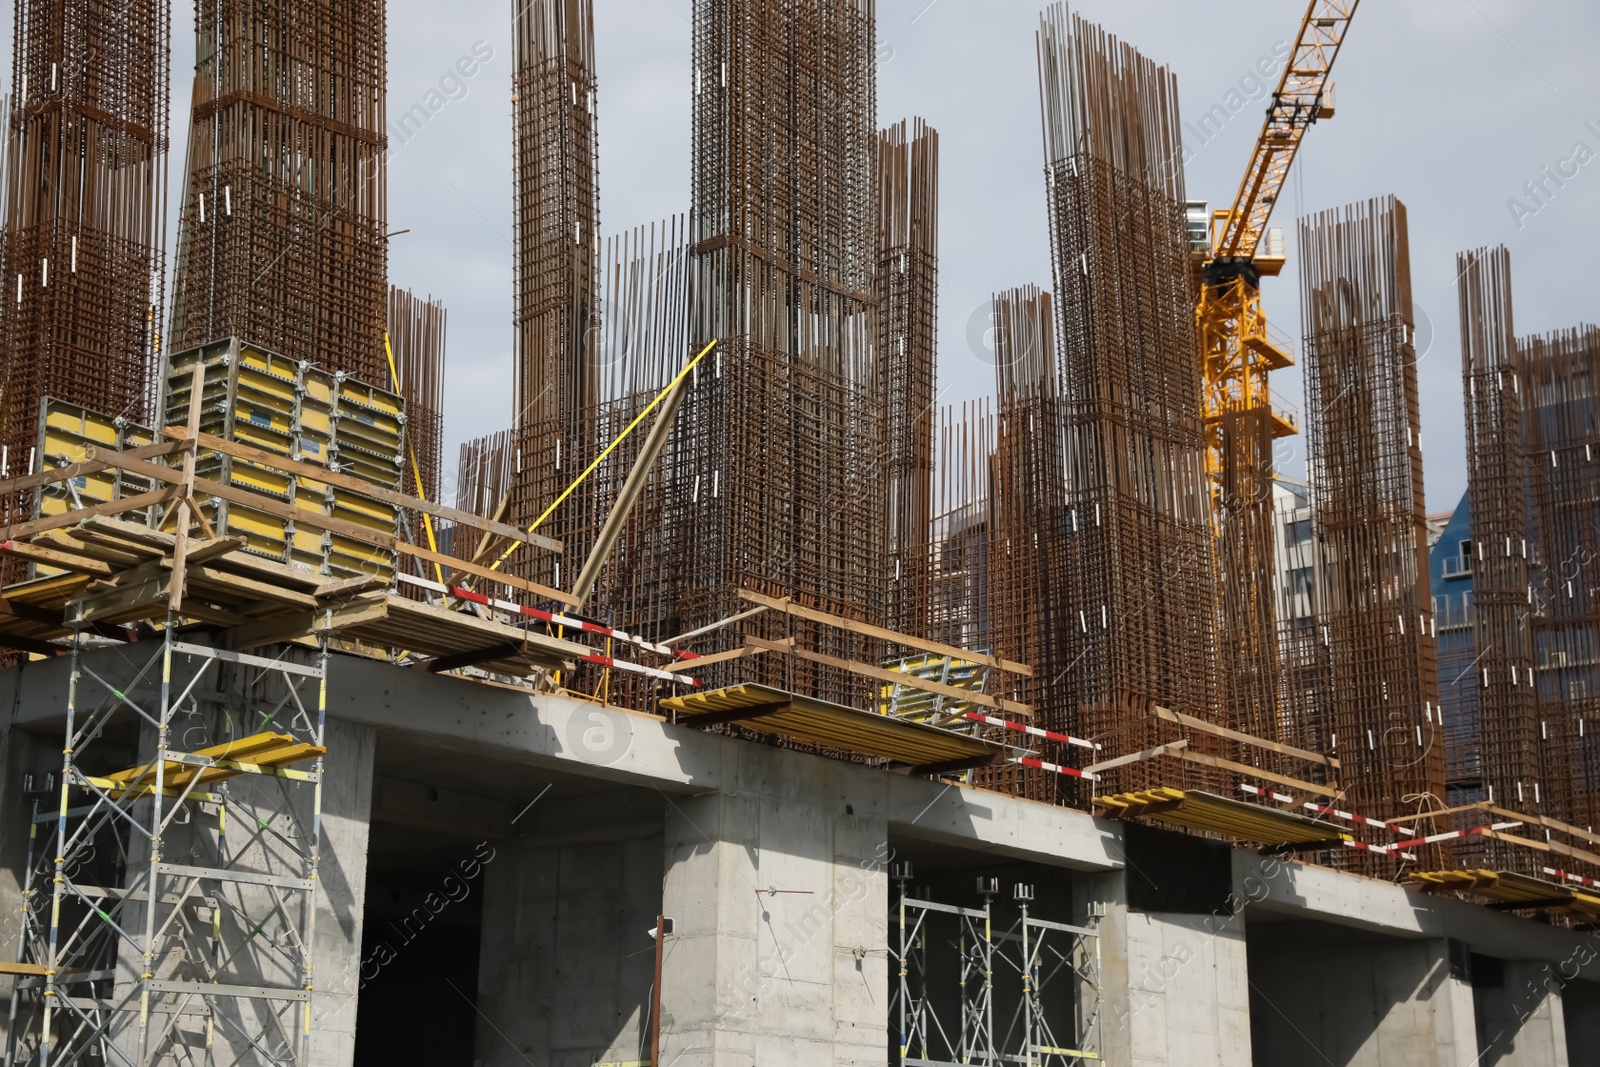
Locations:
(1344, 997)
(566, 962)
(342, 893)
(21, 753)
(1176, 991)
(1520, 1021)
(792, 978)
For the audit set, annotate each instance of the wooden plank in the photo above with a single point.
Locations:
(868, 671)
(1548, 823)
(289, 598)
(355, 531)
(457, 660)
(800, 611)
(17, 609)
(50, 557)
(73, 518)
(175, 587)
(1259, 742)
(344, 587)
(361, 485)
(683, 666)
(29, 644)
(1255, 772)
(298, 624)
(213, 549)
(1136, 757)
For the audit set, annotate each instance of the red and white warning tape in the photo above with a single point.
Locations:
(1071, 772)
(578, 624)
(1453, 834)
(1592, 883)
(1381, 849)
(1032, 731)
(1323, 809)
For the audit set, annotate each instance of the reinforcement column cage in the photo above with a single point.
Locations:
(778, 468)
(1562, 383)
(1029, 568)
(907, 293)
(1506, 746)
(1380, 694)
(558, 250)
(416, 337)
(84, 198)
(1142, 590)
(173, 908)
(282, 239)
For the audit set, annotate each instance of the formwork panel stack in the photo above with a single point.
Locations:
(1379, 697)
(1142, 587)
(84, 224)
(282, 239)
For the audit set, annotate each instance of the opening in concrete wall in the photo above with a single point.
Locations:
(1321, 992)
(958, 917)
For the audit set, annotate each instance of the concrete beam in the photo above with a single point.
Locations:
(1305, 891)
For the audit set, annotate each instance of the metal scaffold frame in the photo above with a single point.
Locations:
(219, 969)
(1039, 1045)
(1029, 1038)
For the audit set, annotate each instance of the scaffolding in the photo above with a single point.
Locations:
(1048, 982)
(170, 909)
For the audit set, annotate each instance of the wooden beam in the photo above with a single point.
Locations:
(18, 609)
(1548, 823)
(866, 670)
(361, 485)
(293, 625)
(799, 611)
(210, 550)
(1255, 772)
(180, 546)
(29, 644)
(473, 657)
(50, 557)
(632, 487)
(1222, 731)
(964, 764)
(1136, 757)
(684, 666)
(73, 518)
(741, 714)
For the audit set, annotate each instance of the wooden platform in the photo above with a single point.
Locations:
(1206, 812)
(119, 572)
(924, 749)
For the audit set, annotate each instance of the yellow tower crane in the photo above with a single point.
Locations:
(1236, 352)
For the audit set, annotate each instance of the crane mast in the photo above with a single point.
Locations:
(1236, 352)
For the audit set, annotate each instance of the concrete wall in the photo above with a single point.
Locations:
(1176, 991)
(1520, 1019)
(566, 963)
(1321, 995)
(792, 978)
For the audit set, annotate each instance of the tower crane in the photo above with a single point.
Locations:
(1236, 352)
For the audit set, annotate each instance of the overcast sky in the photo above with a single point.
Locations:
(1451, 104)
